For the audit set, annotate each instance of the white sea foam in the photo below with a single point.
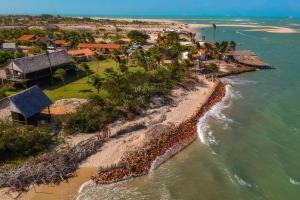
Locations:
(243, 34)
(294, 24)
(294, 182)
(237, 81)
(241, 182)
(86, 186)
(204, 132)
(203, 128)
(228, 175)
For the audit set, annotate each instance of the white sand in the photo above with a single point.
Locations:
(270, 29)
(113, 150)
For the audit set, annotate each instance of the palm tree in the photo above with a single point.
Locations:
(156, 53)
(50, 64)
(209, 49)
(232, 45)
(96, 81)
(214, 29)
(219, 50)
(140, 59)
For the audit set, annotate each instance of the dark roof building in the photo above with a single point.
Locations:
(35, 63)
(35, 67)
(26, 106)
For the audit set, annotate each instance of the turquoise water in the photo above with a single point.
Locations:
(252, 148)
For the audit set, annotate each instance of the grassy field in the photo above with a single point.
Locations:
(78, 87)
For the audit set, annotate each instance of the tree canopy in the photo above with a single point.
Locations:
(138, 37)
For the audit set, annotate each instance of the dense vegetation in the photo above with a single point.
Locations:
(17, 141)
(138, 37)
(73, 36)
(125, 92)
(4, 57)
(218, 49)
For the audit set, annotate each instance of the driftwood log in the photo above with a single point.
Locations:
(53, 167)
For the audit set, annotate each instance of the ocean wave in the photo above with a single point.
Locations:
(294, 24)
(243, 34)
(165, 193)
(241, 181)
(294, 182)
(228, 175)
(203, 128)
(238, 81)
(85, 186)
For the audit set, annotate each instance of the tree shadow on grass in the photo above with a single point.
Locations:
(86, 91)
(70, 78)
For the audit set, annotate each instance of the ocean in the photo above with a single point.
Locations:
(249, 144)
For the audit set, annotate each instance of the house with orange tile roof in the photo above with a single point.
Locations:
(82, 55)
(61, 43)
(81, 52)
(27, 38)
(100, 48)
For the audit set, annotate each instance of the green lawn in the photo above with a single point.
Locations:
(78, 87)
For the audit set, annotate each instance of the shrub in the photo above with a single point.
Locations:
(4, 57)
(22, 141)
(138, 37)
(89, 118)
(212, 68)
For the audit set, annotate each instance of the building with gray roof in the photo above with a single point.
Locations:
(27, 105)
(35, 67)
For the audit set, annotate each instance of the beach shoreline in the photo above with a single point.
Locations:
(163, 145)
(114, 151)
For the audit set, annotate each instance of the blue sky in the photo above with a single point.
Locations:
(256, 8)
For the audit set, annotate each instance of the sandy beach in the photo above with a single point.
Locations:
(270, 29)
(114, 149)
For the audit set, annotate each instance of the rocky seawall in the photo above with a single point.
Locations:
(164, 142)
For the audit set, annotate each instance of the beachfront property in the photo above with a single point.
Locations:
(35, 68)
(26, 106)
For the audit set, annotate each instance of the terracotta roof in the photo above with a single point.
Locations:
(99, 46)
(78, 52)
(26, 37)
(61, 42)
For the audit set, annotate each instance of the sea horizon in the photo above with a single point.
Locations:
(247, 143)
(188, 16)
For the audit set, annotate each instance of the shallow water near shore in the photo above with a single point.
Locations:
(251, 146)
(63, 191)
